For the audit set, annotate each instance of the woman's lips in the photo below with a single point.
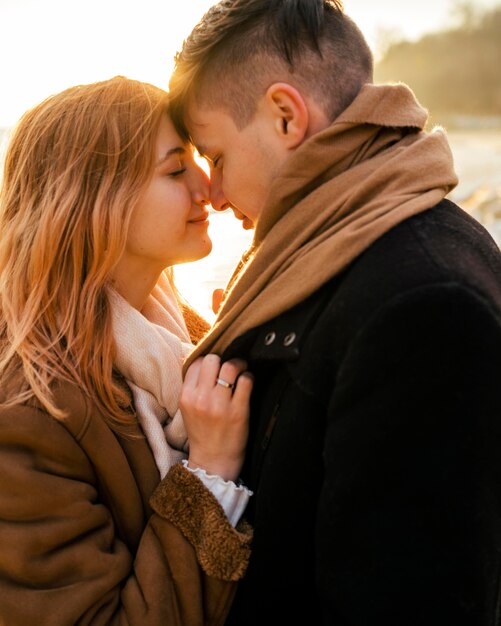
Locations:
(201, 219)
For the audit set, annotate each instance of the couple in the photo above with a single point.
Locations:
(354, 361)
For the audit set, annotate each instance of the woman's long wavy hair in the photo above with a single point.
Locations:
(74, 170)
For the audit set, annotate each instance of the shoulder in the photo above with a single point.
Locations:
(78, 409)
(443, 243)
(439, 247)
(436, 258)
(440, 260)
(33, 443)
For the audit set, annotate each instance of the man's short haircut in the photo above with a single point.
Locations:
(241, 47)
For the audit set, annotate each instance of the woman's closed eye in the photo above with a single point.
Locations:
(177, 172)
(176, 168)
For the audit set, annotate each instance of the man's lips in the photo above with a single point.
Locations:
(247, 223)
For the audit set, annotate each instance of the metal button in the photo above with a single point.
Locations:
(289, 339)
(269, 339)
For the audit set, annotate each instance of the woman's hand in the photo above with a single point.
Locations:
(215, 405)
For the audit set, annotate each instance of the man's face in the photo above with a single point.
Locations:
(243, 163)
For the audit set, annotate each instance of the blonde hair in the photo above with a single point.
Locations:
(74, 170)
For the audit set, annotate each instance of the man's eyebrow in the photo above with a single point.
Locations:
(179, 150)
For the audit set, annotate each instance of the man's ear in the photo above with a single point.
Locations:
(290, 113)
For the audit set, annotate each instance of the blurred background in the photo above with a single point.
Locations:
(447, 51)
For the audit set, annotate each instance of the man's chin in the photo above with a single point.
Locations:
(247, 223)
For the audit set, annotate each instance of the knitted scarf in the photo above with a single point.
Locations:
(150, 348)
(343, 188)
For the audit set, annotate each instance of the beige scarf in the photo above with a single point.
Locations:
(340, 191)
(150, 348)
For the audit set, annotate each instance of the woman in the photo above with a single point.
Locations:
(106, 515)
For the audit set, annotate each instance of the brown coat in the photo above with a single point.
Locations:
(89, 534)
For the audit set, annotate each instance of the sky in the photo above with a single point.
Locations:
(49, 45)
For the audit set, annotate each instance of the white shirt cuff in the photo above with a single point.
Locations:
(232, 497)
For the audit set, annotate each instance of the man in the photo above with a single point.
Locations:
(369, 310)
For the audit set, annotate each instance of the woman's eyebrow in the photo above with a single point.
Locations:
(178, 150)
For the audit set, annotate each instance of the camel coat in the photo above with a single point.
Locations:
(90, 535)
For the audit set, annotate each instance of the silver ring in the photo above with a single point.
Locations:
(224, 383)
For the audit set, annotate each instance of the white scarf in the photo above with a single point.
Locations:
(151, 346)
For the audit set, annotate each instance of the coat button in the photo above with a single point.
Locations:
(289, 339)
(269, 339)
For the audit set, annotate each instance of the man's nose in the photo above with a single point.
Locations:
(199, 185)
(217, 197)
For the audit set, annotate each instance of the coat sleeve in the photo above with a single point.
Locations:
(62, 561)
(409, 525)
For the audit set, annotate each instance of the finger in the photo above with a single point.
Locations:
(209, 371)
(243, 389)
(231, 370)
(193, 373)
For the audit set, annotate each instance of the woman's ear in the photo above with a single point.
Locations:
(290, 113)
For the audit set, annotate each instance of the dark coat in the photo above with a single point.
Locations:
(375, 446)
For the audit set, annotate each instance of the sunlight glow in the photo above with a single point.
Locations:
(196, 281)
(49, 45)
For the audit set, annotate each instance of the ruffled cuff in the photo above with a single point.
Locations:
(222, 551)
(232, 497)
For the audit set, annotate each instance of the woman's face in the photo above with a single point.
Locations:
(169, 224)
